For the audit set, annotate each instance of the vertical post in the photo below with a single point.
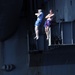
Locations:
(72, 32)
(49, 41)
(61, 33)
(28, 40)
(1, 56)
(59, 30)
(37, 44)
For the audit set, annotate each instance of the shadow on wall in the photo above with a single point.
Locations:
(9, 17)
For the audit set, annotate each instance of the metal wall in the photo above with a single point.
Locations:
(65, 10)
(53, 70)
(15, 51)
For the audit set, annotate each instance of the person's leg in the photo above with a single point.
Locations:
(36, 32)
(37, 23)
(47, 32)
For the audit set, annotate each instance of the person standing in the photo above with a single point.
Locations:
(47, 24)
(38, 22)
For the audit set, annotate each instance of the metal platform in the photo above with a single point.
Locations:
(57, 54)
(52, 47)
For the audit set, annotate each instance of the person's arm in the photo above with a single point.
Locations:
(51, 15)
(47, 16)
(38, 14)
